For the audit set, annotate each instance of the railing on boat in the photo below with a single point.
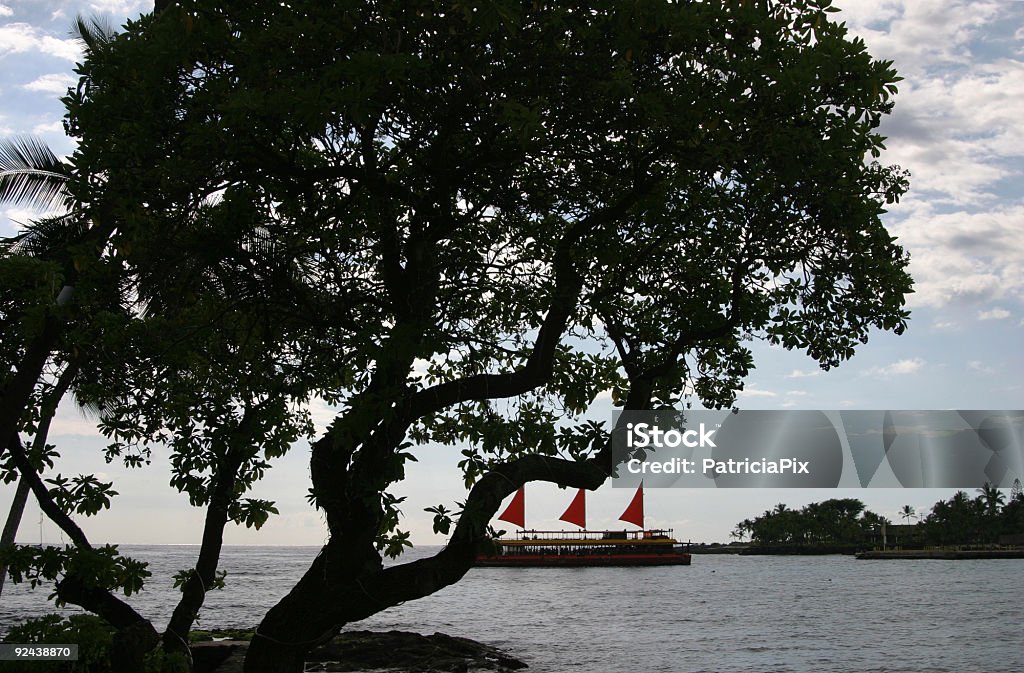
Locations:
(540, 535)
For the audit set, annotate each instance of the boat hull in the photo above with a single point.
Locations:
(581, 561)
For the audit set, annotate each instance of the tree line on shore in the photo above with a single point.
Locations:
(983, 519)
(961, 519)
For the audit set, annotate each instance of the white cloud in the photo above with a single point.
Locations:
(979, 366)
(800, 374)
(419, 368)
(862, 13)
(20, 38)
(957, 131)
(48, 127)
(964, 257)
(118, 7)
(899, 368)
(994, 314)
(755, 392)
(956, 127)
(920, 35)
(6, 11)
(55, 83)
(797, 393)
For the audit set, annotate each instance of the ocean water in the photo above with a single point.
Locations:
(771, 614)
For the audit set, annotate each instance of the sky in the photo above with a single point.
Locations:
(958, 127)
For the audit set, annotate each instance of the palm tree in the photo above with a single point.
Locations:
(742, 530)
(32, 175)
(908, 513)
(992, 498)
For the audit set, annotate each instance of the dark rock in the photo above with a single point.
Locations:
(208, 656)
(413, 652)
(374, 651)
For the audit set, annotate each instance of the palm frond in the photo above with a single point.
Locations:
(31, 174)
(94, 33)
(50, 236)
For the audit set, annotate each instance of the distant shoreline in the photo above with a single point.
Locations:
(941, 554)
(1014, 552)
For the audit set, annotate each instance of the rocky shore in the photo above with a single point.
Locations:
(354, 651)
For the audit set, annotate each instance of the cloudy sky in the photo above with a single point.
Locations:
(958, 127)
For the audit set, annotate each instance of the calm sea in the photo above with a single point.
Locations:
(723, 613)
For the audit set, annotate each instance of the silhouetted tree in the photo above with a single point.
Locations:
(461, 223)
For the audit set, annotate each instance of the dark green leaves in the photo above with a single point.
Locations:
(102, 566)
(252, 512)
(442, 519)
(82, 494)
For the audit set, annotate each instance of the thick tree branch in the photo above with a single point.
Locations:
(72, 588)
(539, 366)
(100, 601)
(18, 391)
(46, 501)
(47, 412)
(333, 599)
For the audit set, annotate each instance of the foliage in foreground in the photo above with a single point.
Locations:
(95, 640)
(92, 634)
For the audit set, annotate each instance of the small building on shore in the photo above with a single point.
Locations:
(895, 535)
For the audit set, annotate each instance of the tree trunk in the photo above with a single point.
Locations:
(47, 412)
(341, 587)
(193, 596)
(135, 636)
(17, 394)
(13, 522)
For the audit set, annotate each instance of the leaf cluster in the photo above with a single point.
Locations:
(103, 567)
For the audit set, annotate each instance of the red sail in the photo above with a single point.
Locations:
(577, 512)
(515, 513)
(634, 514)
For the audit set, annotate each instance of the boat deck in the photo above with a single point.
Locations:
(532, 548)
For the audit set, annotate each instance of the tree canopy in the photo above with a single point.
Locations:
(459, 222)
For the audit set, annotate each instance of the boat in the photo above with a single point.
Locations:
(588, 548)
(584, 548)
